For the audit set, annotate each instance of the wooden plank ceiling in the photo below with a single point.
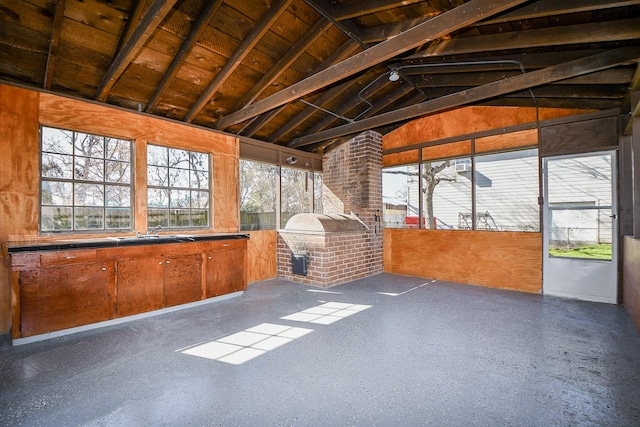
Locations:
(311, 73)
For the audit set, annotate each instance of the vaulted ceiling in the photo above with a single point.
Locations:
(309, 74)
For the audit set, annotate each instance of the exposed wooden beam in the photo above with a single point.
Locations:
(261, 28)
(384, 32)
(199, 27)
(605, 77)
(258, 122)
(627, 29)
(543, 8)
(58, 15)
(629, 110)
(152, 18)
(329, 11)
(440, 25)
(338, 55)
(555, 73)
(296, 51)
(134, 18)
(360, 8)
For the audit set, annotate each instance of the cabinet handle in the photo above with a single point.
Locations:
(167, 262)
(104, 268)
(160, 263)
(70, 256)
(225, 244)
(209, 257)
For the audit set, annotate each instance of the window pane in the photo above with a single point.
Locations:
(199, 179)
(118, 149)
(507, 191)
(157, 176)
(592, 178)
(89, 218)
(200, 161)
(118, 172)
(56, 218)
(294, 193)
(199, 218)
(89, 145)
(179, 178)
(179, 218)
(258, 186)
(56, 166)
(118, 218)
(88, 169)
(317, 192)
(158, 198)
(57, 193)
(400, 196)
(157, 155)
(158, 217)
(179, 199)
(447, 194)
(580, 233)
(88, 195)
(199, 199)
(178, 158)
(57, 141)
(118, 196)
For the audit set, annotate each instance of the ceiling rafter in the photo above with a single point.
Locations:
(259, 121)
(298, 49)
(261, 28)
(329, 11)
(440, 25)
(360, 8)
(152, 18)
(544, 8)
(199, 27)
(132, 22)
(627, 29)
(58, 16)
(551, 74)
(629, 110)
(338, 55)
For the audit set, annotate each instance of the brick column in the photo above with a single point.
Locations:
(352, 176)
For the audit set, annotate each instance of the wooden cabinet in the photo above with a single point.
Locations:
(225, 272)
(63, 294)
(56, 290)
(182, 279)
(139, 285)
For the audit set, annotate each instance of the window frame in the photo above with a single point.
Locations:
(190, 189)
(72, 180)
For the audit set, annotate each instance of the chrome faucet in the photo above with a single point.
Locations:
(155, 230)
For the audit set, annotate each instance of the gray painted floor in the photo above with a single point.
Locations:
(421, 353)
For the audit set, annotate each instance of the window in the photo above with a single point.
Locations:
(400, 197)
(85, 182)
(178, 188)
(507, 189)
(446, 186)
(295, 193)
(258, 191)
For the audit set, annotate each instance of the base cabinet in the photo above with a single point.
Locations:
(65, 296)
(58, 290)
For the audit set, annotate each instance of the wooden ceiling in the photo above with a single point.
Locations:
(310, 73)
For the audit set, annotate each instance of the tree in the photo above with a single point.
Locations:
(431, 179)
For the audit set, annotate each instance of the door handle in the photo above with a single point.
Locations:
(614, 216)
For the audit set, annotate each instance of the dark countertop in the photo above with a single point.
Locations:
(114, 242)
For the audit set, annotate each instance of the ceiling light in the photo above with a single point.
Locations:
(394, 76)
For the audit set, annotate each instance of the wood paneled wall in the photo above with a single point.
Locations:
(261, 253)
(493, 259)
(631, 279)
(21, 113)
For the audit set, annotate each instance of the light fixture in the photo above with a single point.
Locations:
(291, 160)
(394, 76)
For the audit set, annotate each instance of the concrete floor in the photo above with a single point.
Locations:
(396, 351)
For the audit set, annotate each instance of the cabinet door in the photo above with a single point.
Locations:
(65, 296)
(182, 279)
(139, 285)
(225, 271)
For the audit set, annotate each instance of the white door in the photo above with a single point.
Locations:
(580, 227)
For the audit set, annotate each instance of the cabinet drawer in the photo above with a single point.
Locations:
(67, 257)
(228, 244)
